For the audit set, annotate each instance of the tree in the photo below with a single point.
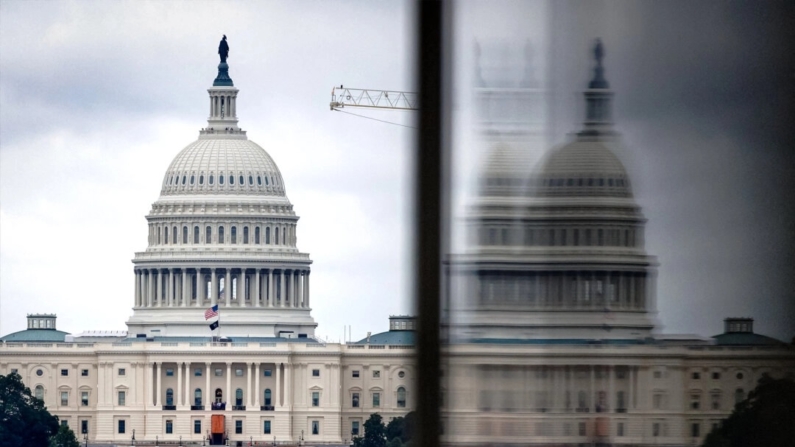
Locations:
(765, 418)
(23, 418)
(64, 438)
(374, 432)
(401, 427)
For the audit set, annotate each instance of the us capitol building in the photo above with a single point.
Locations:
(553, 337)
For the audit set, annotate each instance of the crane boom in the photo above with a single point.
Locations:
(376, 99)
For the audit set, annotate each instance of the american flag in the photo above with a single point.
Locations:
(211, 312)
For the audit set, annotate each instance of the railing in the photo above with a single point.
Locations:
(375, 347)
(354, 346)
(267, 345)
(197, 407)
(266, 408)
(169, 343)
(122, 343)
(40, 345)
(218, 406)
(197, 344)
(64, 345)
(169, 407)
(238, 408)
(240, 344)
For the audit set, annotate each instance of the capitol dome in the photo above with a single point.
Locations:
(227, 163)
(222, 235)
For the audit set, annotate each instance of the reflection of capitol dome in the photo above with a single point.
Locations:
(565, 258)
(222, 232)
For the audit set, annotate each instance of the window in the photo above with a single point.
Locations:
(165, 235)
(658, 374)
(169, 426)
(695, 401)
(268, 397)
(355, 373)
(266, 427)
(581, 429)
(83, 426)
(197, 372)
(376, 400)
(240, 179)
(716, 376)
(220, 235)
(716, 401)
(238, 427)
(256, 235)
(401, 374)
(354, 428)
(14, 371)
(276, 236)
(122, 426)
(739, 395)
(196, 235)
(64, 423)
(84, 398)
(170, 373)
(695, 429)
(184, 235)
(267, 235)
(376, 374)
(355, 400)
(657, 401)
(197, 397)
(219, 372)
(620, 429)
(582, 401)
(169, 396)
(245, 235)
(401, 397)
(122, 398)
(64, 372)
(739, 376)
(64, 398)
(174, 234)
(620, 404)
(655, 429)
(268, 373)
(221, 179)
(696, 376)
(122, 371)
(231, 179)
(84, 372)
(239, 372)
(315, 427)
(197, 426)
(315, 373)
(238, 397)
(315, 398)
(208, 235)
(259, 180)
(39, 392)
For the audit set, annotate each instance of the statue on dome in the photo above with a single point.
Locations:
(223, 50)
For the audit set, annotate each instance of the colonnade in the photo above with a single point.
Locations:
(185, 396)
(227, 287)
(223, 104)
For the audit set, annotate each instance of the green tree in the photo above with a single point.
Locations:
(64, 438)
(394, 429)
(24, 421)
(764, 419)
(374, 432)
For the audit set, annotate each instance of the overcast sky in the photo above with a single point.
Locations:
(96, 99)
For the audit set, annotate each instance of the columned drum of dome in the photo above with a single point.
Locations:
(222, 232)
(566, 260)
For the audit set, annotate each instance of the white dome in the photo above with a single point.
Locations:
(223, 164)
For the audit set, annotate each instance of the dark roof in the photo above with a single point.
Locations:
(36, 335)
(744, 339)
(390, 338)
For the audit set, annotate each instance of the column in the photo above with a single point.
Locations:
(592, 397)
(148, 381)
(151, 283)
(611, 404)
(270, 293)
(256, 387)
(297, 288)
(179, 384)
(631, 403)
(281, 287)
(248, 387)
(306, 292)
(137, 299)
(277, 389)
(198, 287)
(258, 293)
(229, 383)
(288, 386)
(170, 288)
(241, 288)
(187, 384)
(213, 286)
(206, 396)
(160, 286)
(228, 287)
(185, 288)
(158, 377)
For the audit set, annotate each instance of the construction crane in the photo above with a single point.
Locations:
(375, 99)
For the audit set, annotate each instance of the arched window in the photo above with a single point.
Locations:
(166, 235)
(39, 392)
(582, 401)
(197, 397)
(201, 179)
(256, 235)
(259, 180)
(401, 397)
(208, 235)
(276, 236)
(268, 235)
(238, 397)
(196, 234)
(220, 235)
(212, 179)
(284, 236)
(184, 235)
(234, 235)
(220, 179)
(266, 181)
(268, 397)
(191, 179)
(231, 179)
(169, 397)
(250, 180)
(245, 235)
(219, 396)
(242, 182)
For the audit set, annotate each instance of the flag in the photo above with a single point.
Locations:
(211, 312)
(213, 325)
